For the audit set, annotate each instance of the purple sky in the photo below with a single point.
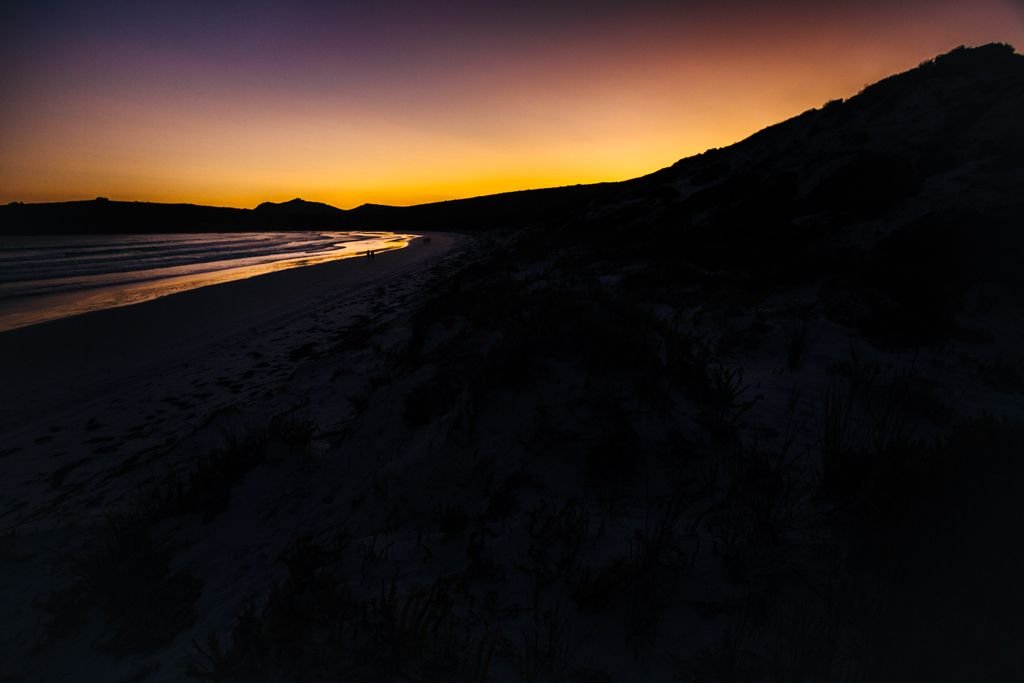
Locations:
(238, 102)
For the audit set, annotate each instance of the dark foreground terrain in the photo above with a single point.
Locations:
(755, 417)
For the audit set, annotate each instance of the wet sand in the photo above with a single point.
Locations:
(91, 406)
(58, 364)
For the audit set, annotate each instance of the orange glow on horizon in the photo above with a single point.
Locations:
(614, 103)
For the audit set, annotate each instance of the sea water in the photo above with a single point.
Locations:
(44, 278)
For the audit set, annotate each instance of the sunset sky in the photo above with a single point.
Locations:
(234, 103)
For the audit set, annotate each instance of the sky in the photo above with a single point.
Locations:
(234, 103)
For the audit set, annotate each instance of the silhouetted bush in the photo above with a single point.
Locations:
(434, 397)
(311, 627)
(126, 576)
(866, 185)
(206, 488)
(796, 349)
(615, 454)
(723, 401)
(939, 555)
(863, 422)
(919, 274)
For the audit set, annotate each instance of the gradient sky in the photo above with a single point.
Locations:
(233, 103)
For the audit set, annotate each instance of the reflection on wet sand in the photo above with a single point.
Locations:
(98, 292)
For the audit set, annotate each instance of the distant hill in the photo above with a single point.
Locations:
(298, 212)
(509, 209)
(105, 216)
(943, 135)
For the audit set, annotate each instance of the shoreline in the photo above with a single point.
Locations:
(57, 365)
(24, 311)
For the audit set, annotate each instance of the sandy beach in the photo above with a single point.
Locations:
(97, 407)
(66, 363)
(91, 392)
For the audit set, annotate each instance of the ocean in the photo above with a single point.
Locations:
(45, 278)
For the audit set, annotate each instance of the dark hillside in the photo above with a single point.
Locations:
(755, 417)
(901, 196)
